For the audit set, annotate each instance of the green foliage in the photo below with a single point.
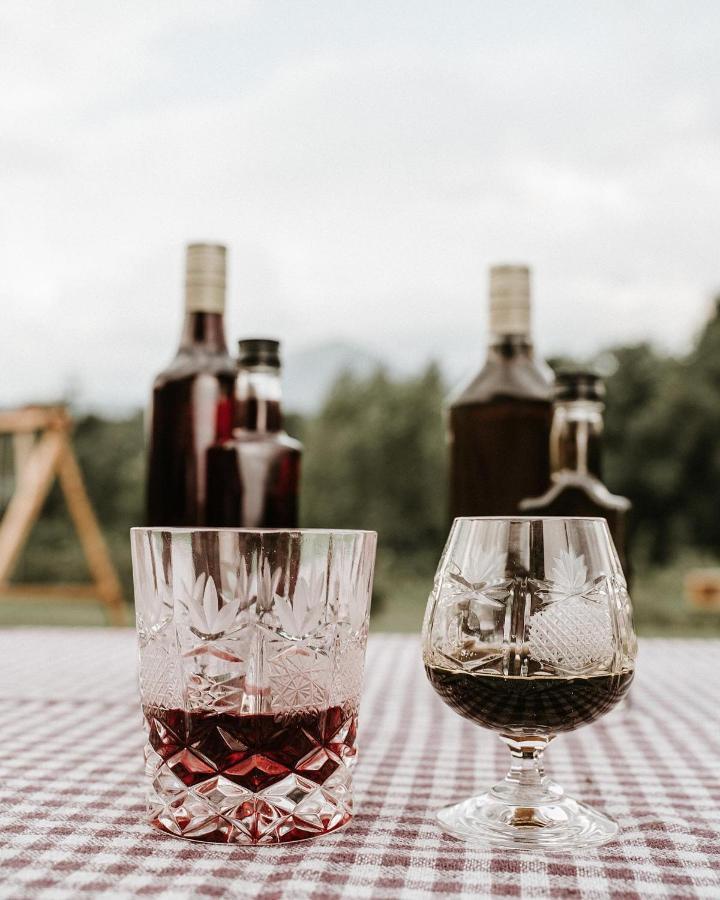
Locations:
(662, 446)
(638, 426)
(375, 458)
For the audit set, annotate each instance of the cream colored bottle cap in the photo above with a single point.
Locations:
(509, 300)
(205, 278)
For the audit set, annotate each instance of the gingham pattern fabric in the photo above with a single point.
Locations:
(71, 788)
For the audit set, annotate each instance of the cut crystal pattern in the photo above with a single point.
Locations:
(160, 680)
(569, 577)
(227, 779)
(301, 677)
(572, 636)
(491, 616)
(251, 663)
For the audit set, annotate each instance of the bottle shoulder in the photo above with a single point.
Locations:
(519, 377)
(187, 365)
(243, 438)
(573, 483)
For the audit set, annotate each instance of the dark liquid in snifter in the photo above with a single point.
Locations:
(544, 703)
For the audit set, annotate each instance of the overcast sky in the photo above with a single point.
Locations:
(365, 162)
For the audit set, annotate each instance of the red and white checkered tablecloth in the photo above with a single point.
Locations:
(71, 788)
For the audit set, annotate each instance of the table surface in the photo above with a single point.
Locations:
(71, 788)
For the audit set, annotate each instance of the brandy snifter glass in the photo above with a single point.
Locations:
(528, 632)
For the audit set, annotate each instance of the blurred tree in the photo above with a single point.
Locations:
(663, 443)
(696, 431)
(375, 458)
(638, 428)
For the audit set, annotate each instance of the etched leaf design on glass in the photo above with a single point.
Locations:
(349, 570)
(472, 605)
(240, 586)
(482, 583)
(569, 576)
(264, 587)
(208, 617)
(305, 612)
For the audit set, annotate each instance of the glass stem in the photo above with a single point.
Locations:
(526, 781)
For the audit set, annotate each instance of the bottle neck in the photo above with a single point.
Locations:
(205, 331)
(510, 346)
(575, 437)
(258, 399)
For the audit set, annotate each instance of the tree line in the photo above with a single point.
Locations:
(375, 457)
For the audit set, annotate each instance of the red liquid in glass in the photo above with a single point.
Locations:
(256, 752)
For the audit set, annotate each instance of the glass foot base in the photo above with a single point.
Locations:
(556, 823)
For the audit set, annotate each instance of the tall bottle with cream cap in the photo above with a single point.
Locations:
(192, 402)
(500, 423)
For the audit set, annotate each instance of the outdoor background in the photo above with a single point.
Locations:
(365, 163)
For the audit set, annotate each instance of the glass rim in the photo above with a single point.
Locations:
(529, 519)
(206, 529)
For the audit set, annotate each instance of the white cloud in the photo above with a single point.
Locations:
(365, 166)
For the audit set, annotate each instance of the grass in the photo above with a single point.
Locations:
(399, 605)
(35, 611)
(659, 604)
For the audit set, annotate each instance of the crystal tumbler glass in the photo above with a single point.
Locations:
(252, 646)
(529, 633)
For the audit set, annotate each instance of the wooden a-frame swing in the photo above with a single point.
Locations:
(43, 451)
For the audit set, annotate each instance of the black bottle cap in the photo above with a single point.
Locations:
(259, 352)
(579, 384)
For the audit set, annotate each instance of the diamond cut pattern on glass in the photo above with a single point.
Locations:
(251, 673)
(572, 636)
(288, 779)
(301, 677)
(572, 629)
(160, 680)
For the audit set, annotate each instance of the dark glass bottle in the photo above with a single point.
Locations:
(500, 423)
(192, 399)
(576, 487)
(254, 476)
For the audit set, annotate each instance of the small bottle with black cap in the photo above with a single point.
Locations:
(254, 476)
(576, 487)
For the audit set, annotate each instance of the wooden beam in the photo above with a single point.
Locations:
(36, 464)
(26, 503)
(93, 543)
(33, 418)
(23, 443)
